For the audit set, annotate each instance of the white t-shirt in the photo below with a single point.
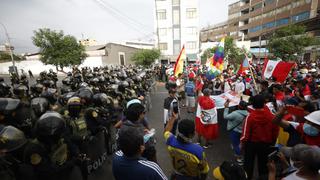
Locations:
(239, 87)
(293, 176)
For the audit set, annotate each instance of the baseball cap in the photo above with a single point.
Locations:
(133, 101)
(314, 117)
(309, 155)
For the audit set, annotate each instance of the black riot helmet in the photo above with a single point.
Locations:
(8, 105)
(50, 95)
(11, 139)
(4, 89)
(86, 95)
(37, 88)
(63, 99)
(101, 99)
(74, 106)
(20, 91)
(39, 106)
(50, 127)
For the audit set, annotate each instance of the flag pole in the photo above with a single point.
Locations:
(250, 68)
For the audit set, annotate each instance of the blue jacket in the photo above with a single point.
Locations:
(190, 89)
(125, 168)
(235, 119)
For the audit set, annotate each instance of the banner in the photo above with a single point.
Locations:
(232, 96)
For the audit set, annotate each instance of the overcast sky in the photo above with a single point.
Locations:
(103, 20)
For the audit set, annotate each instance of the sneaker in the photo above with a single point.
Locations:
(206, 146)
(240, 161)
(198, 143)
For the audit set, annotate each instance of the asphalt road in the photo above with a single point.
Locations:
(216, 154)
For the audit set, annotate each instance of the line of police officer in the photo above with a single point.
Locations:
(64, 132)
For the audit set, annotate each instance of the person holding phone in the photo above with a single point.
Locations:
(171, 105)
(235, 120)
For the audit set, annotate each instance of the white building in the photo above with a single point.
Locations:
(177, 24)
(139, 44)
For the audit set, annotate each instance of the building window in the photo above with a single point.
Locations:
(283, 21)
(191, 13)
(162, 31)
(163, 46)
(176, 17)
(192, 30)
(301, 17)
(162, 14)
(122, 59)
(266, 2)
(268, 25)
(175, 2)
(256, 7)
(176, 48)
(176, 34)
(191, 45)
(255, 29)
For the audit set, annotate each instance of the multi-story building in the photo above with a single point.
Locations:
(214, 33)
(254, 20)
(177, 24)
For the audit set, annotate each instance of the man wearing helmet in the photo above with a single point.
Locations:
(48, 153)
(12, 145)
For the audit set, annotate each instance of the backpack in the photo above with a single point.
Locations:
(231, 170)
(58, 154)
(79, 127)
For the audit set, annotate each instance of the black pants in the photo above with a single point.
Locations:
(253, 149)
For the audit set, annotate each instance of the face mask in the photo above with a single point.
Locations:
(310, 130)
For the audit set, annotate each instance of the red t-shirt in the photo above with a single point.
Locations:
(310, 140)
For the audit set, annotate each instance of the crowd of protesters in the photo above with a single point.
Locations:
(277, 129)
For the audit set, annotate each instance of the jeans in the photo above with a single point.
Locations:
(259, 149)
(235, 140)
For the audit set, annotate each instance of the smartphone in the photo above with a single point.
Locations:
(273, 156)
(175, 107)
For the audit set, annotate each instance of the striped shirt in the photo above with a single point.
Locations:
(125, 168)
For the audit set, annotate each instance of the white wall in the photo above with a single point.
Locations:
(36, 66)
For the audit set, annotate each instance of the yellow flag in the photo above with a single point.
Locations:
(178, 67)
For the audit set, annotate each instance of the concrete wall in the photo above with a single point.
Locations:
(113, 57)
(36, 66)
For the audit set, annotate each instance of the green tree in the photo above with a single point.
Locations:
(207, 54)
(6, 57)
(289, 42)
(146, 57)
(233, 55)
(58, 49)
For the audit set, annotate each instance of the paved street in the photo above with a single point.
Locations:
(216, 154)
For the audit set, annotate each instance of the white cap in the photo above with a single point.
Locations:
(133, 101)
(314, 117)
(312, 70)
(304, 71)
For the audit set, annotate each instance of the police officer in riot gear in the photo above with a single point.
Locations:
(76, 132)
(12, 145)
(48, 153)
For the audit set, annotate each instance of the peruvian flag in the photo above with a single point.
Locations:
(207, 118)
(244, 66)
(277, 69)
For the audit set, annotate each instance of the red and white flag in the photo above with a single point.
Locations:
(277, 69)
(207, 118)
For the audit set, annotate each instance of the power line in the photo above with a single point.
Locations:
(118, 17)
(123, 14)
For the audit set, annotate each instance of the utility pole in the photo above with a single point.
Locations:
(10, 50)
(156, 8)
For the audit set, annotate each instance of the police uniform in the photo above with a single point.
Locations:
(189, 160)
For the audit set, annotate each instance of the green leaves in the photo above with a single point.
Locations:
(58, 49)
(146, 57)
(289, 42)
